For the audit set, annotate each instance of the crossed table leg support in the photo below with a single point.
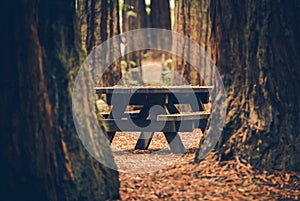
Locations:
(145, 138)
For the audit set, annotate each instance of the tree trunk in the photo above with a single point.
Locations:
(99, 21)
(257, 51)
(134, 17)
(192, 20)
(42, 158)
(160, 14)
(255, 46)
(160, 17)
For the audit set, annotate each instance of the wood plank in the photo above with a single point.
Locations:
(131, 113)
(137, 99)
(152, 89)
(175, 143)
(159, 98)
(167, 126)
(111, 136)
(144, 140)
(183, 116)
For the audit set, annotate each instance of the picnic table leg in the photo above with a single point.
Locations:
(200, 107)
(144, 140)
(171, 108)
(175, 142)
(111, 136)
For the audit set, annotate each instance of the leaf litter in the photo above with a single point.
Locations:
(211, 179)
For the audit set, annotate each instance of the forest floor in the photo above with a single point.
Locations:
(183, 180)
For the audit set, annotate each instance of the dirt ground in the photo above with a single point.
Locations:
(174, 177)
(152, 71)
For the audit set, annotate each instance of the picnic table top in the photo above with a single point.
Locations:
(152, 89)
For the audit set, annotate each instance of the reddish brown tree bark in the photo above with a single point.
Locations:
(255, 46)
(99, 21)
(42, 157)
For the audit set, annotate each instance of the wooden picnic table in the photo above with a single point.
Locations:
(169, 119)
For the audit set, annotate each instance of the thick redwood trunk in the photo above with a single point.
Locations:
(41, 155)
(257, 51)
(255, 46)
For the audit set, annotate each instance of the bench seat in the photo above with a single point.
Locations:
(184, 116)
(135, 112)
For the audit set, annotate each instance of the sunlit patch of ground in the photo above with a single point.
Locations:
(157, 157)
